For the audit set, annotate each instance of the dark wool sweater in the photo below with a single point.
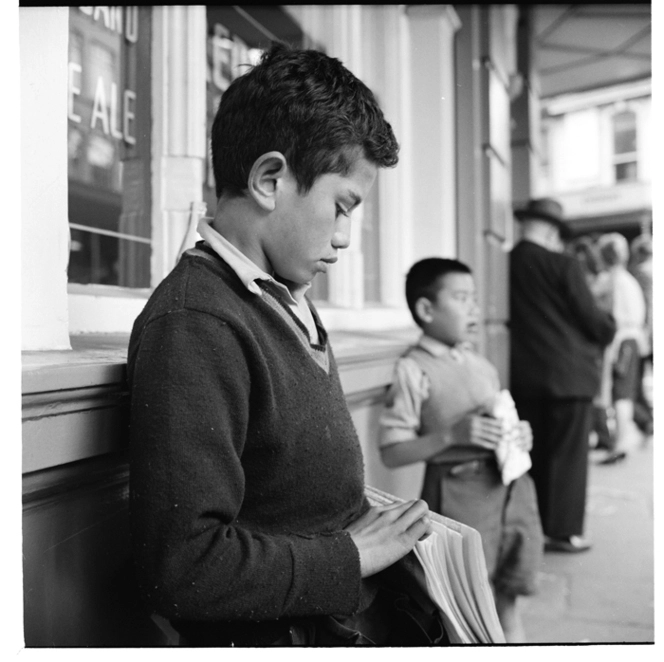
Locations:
(245, 464)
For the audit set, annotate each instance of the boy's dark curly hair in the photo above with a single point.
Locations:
(307, 106)
(425, 279)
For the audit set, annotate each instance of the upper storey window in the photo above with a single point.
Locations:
(625, 146)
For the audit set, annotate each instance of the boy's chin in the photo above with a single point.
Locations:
(470, 337)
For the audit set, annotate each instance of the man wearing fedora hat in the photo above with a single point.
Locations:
(557, 336)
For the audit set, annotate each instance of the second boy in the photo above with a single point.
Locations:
(436, 412)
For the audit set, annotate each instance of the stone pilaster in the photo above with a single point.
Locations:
(179, 142)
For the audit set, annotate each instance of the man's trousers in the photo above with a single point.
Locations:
(561, 428)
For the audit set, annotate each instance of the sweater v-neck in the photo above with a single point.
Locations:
(317, 351)
(271, 295)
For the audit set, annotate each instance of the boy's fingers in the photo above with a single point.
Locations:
(486, 438)
(486, 444)
(487, 425)
(413, 520)
(420, 529)
(414, 510)
(491, 425)
(390, 514)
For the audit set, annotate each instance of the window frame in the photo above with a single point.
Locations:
(624, 158)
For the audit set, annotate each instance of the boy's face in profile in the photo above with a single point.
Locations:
(454, 315)
(309, 229)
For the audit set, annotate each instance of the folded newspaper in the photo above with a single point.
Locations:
(453, 562)
(513, 461)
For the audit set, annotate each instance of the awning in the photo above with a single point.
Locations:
(629, 223)
(582, 47)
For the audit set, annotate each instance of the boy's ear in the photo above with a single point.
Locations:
(263, 177)
(423, 307)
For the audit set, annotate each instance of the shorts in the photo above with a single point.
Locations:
(506, 516)
(626, 372)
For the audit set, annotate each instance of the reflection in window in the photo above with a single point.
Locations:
(98, 258)
(108, 145)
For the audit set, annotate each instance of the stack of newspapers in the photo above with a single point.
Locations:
(456, 575)
(513, 461)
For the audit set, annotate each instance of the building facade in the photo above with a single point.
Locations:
(114, 180)
(606, 186)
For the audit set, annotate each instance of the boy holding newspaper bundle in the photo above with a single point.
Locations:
(445, 407)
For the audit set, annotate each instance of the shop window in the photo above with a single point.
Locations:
(625, 160)
(109, 124)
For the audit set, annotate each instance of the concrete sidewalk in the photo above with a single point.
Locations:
(605, 595)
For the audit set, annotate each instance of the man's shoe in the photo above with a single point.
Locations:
(571, 545)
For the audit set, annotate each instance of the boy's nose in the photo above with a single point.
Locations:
(341, 236)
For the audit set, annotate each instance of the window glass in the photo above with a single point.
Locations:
(624, 132)
(109, 145)
(228, 56)
(624, 146)
(626, 172)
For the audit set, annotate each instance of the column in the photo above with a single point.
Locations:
(525, 111)
(178, 136)
(433, 182)
(43, 42)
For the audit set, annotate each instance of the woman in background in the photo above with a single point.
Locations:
(620, 383)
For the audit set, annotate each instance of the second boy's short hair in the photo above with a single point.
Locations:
(425, 279)
(306, 105)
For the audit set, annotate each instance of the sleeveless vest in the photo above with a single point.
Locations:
(457, 388)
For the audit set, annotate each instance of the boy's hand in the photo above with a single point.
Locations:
(525, 437)
(384, 534)
(479, 430)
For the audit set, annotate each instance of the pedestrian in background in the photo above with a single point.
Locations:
(585, 250)
(621, 374)
(557, 335)
(640, 267)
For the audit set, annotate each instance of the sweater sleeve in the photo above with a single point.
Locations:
(190, 408)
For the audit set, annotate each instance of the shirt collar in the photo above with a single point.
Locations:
(247, 270)
(438, 349)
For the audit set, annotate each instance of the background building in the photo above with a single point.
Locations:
(598, 158)
(116, 104)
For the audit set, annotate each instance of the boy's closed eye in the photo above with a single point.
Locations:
(342, 212)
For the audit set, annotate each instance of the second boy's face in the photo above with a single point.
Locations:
(310, 229)
(454, 315)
